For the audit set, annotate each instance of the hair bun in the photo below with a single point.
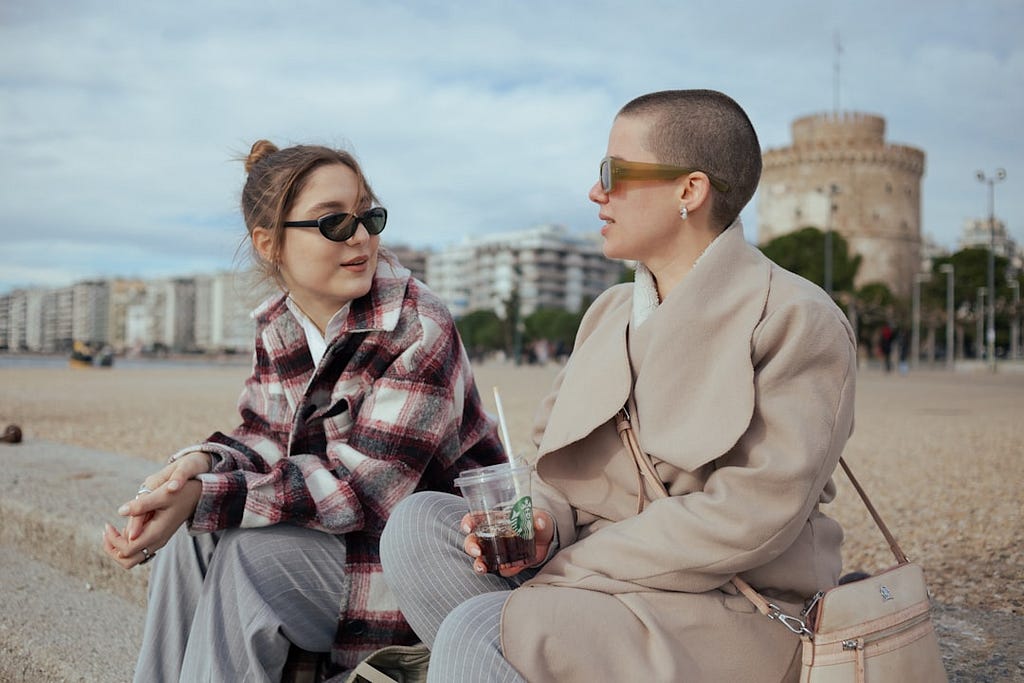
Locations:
(261, 149)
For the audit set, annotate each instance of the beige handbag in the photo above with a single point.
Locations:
(876, 630)
(393, 664)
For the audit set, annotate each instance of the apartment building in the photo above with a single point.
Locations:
(983, 234)
(57, 320)
(223, 310)
(25, 320)
(413, 259)
(5, 321)
(90, 312)
(124, 294)
(548, 265)
(185, 314)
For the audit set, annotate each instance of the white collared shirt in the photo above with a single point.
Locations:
(318, 342)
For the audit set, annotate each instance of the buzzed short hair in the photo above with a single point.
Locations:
(708, 130)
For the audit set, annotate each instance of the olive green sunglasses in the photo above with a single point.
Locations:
(613, 169)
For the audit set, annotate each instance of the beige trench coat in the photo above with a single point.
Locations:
(744, 400)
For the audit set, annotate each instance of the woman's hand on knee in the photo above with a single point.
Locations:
(169, 478)
(174, 474)
(164, 511)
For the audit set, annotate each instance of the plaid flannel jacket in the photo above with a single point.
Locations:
(391, 409)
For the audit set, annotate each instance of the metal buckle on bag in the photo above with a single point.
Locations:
(810, 605)
(808, 612)
(792, 623)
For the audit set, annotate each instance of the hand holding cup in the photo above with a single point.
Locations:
(500, 515)
(543, 535)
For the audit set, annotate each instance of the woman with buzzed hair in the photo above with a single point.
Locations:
(738, 379)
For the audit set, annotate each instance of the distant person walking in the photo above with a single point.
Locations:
(887, 337)
(739, 380)
(360, 394)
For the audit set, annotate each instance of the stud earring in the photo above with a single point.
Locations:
(682, 212)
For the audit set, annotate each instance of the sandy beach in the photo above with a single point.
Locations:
(940, 453)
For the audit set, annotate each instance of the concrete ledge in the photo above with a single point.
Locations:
(55, 501)
(68, 613)
(57, 628)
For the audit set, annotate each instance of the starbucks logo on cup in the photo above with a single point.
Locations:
(521, 517)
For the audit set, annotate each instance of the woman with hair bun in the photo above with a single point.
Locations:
(361, 393)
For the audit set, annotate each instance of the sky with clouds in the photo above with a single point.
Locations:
(121, 123)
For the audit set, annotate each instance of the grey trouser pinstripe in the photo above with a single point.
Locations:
(227, 606)
(456, 612)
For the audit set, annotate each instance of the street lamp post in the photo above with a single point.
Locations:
(833, 190)
(915, 334)
(828, 256)
(999, 176)
(1015, 325)
(947, 268)
(517, 329)
(980, 338)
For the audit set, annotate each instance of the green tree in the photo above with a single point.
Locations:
(875, 303)
(481, 331)
(555, 325)
(803, 252)
(513, 331)
(970, 273)
(876, 306)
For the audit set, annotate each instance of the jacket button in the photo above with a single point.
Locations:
(356, 627)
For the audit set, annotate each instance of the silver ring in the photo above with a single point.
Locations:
(143, 490)
(147, 555)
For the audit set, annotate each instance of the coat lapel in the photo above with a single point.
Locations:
(696, 378)
(286, 347)
(597, 378)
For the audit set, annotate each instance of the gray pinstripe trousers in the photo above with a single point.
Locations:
(226, 606)
(456, 612)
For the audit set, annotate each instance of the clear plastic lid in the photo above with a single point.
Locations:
(483, 475)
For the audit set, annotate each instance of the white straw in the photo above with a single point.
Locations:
(503, 426)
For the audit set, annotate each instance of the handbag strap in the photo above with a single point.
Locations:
(648, 475)
(901, 557)
(647, 479)
(645, 471)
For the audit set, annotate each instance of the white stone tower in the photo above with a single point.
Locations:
(875, 190)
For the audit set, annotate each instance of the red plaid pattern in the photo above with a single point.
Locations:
(391, 409)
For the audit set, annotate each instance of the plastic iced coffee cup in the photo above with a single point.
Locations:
(499, 501)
